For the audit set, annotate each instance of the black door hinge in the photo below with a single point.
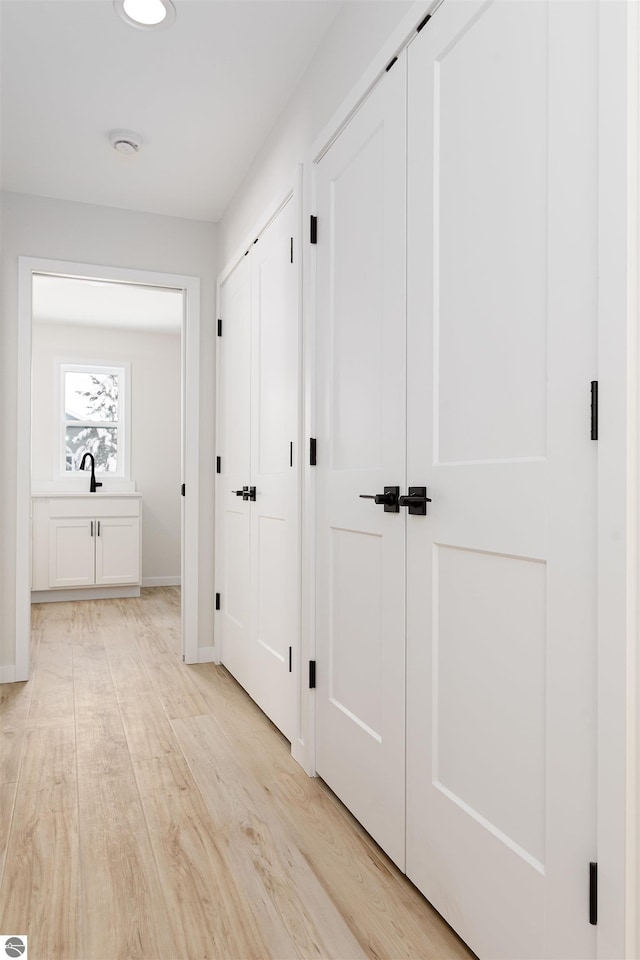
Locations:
(594, 409)
(312, 452)
(312, 674)
(182, 489)
(423, 23)
(291, 453)
(219, 327)
(290, 659)
(390, 64)
(218, 464)
(313, 230)
(291, 249)
(217, 601)
(593, 893)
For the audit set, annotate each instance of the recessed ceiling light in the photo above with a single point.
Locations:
(146, 14)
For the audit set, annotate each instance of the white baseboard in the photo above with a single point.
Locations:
(83, 593)
(7, 674)
(207, 655)
(161, 581)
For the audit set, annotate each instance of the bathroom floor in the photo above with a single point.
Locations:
(149, 809)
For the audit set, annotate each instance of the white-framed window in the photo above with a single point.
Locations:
(94, 418)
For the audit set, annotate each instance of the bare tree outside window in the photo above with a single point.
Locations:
(92, 416)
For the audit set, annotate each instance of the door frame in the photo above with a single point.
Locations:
(618, 589)
(619, 482)
(632, 759)
(190, 402)
(289, 191)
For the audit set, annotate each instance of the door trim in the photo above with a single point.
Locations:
(632, 933)
(619, 483)
(190, 286)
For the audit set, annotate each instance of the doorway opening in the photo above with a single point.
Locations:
(109, 368)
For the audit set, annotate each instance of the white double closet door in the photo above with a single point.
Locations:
(456, 342)
(257, 530)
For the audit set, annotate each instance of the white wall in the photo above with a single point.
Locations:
(155, 422)
(40, 227)
(351, 43)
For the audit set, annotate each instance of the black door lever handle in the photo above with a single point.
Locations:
(247, 493)
(389, 499)
(416, 501)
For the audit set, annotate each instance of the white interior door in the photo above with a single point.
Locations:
(502, 238)
(233, 568)
(275, 586)
(360, 649)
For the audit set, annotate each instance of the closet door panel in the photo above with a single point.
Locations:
(502, 228)
(233, 532)
(275, 582)
(360, 450)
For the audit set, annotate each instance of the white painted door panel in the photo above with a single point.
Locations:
(117, 542)
(501, 348)
(360, 649)
(233, 443)
(71, 552)
(274, 429)
(257, 540)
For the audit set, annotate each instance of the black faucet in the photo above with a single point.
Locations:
(94, 484)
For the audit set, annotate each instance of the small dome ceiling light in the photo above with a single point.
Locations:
(125, 141)
(146, 14)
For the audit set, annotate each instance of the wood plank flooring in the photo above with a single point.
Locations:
(148, 809)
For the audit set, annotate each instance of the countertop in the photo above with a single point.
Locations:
(56, 494)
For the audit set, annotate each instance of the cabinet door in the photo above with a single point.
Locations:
(501, 615)
(71, 552)
(117, 550)
(361, 449)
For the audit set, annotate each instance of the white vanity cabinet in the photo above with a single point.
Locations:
(83, 542)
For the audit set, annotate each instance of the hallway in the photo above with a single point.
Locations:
(149, 809)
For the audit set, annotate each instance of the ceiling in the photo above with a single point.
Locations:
(97, 303)
(203, 94)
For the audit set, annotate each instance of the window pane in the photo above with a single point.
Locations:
(90, 396)
(102, 442)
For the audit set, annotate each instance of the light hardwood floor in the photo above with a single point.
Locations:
(149, 809)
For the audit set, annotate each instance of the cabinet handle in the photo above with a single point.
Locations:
(98, 528)
(92, 528)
